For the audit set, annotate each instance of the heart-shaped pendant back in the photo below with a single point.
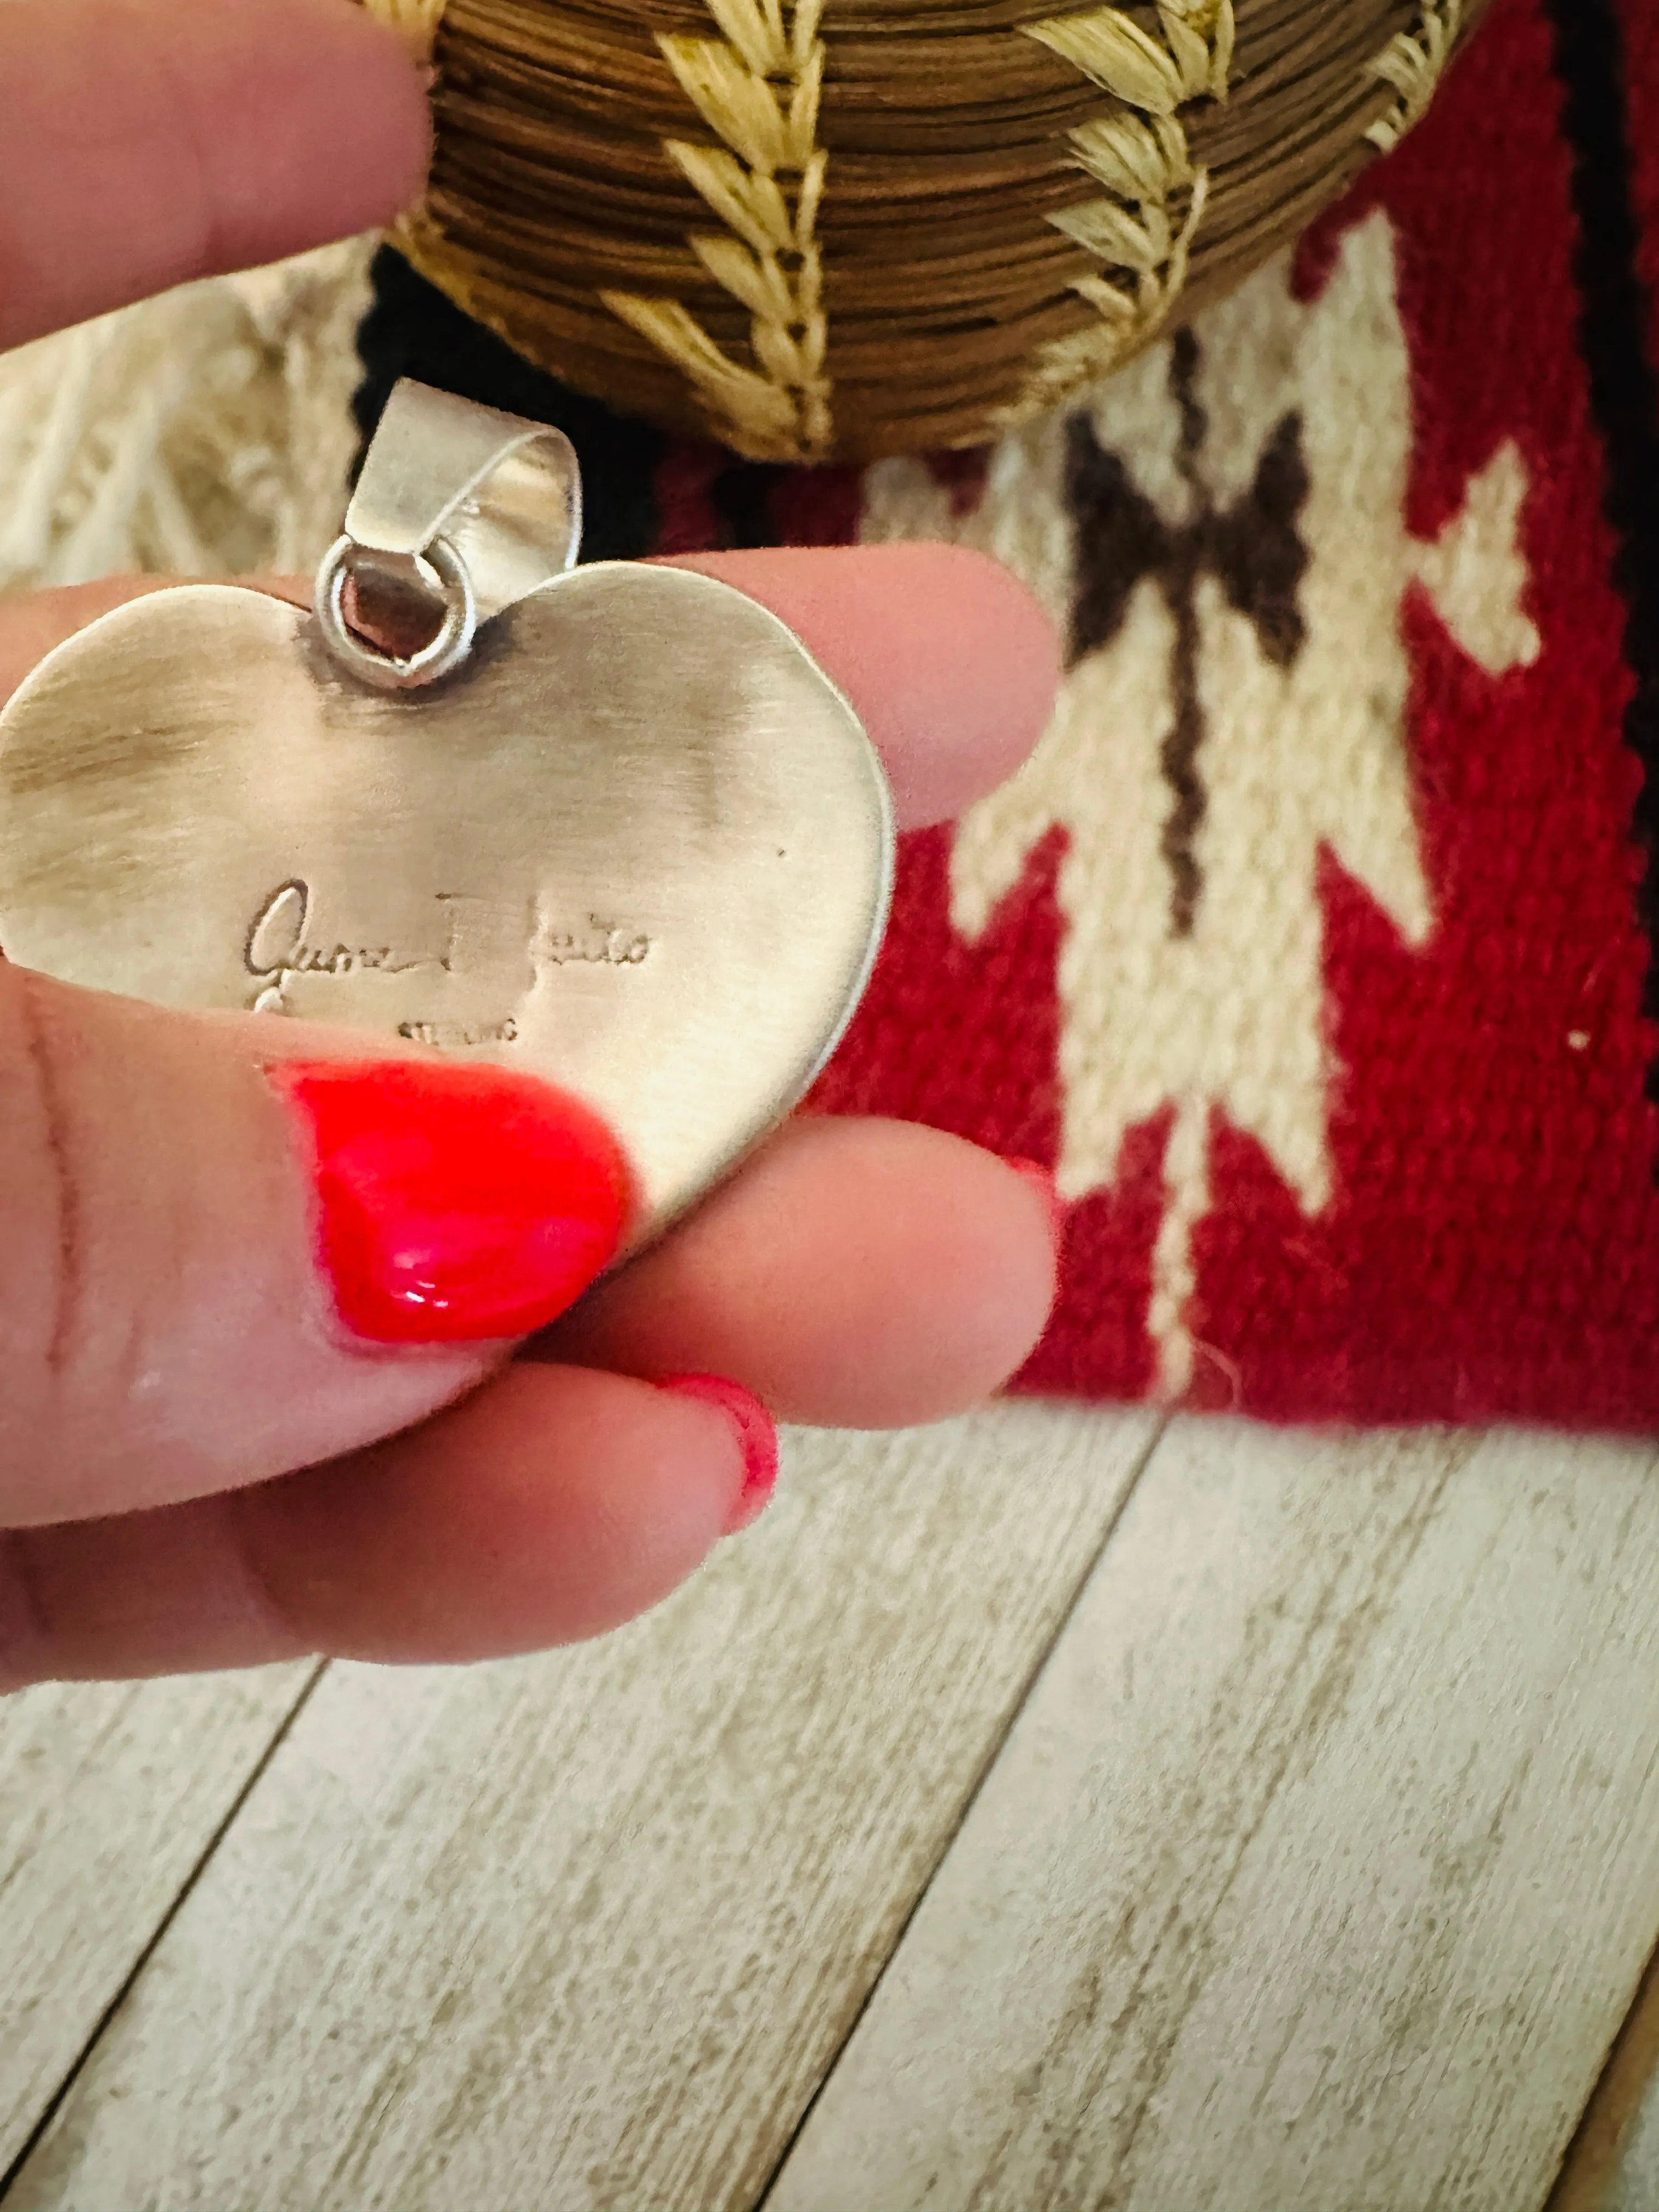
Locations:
(639, 843)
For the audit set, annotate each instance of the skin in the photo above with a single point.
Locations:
(198, 1468)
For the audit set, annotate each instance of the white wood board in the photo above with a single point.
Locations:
(586, 1930)
(109, 1794)
(1320, 1867)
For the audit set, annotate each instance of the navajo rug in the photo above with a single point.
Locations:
(1314, 947)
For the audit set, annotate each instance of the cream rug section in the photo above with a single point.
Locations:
(207, 432)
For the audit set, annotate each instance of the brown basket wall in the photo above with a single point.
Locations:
(841, 228)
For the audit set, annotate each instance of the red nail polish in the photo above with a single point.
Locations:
(756, 1433)
(456, 1203)
(1042, 1180)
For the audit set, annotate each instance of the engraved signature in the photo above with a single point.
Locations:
(478, 936)
(601, 944)
(276, 950)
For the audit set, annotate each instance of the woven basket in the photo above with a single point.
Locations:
(841, 228)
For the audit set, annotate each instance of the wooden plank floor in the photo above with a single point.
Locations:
(110, 1795)
(598, 1922)
(965, 1836)
(1328, 1847)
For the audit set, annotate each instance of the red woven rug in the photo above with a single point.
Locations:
(1312, 945)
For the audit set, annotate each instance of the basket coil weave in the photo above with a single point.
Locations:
(827, 229)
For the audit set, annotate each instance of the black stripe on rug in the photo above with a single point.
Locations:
(1615, 318)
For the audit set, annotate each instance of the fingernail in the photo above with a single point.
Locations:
(1042, 1180)
(758, 1434)
(456, 1203)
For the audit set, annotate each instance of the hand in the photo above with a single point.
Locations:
(201, 1464)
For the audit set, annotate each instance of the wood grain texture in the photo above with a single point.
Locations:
(109, 1793)
(1320, 1867)
(586, 1930)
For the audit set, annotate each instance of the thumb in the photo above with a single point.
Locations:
(227, 1251)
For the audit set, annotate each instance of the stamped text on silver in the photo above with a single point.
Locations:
(468, 936)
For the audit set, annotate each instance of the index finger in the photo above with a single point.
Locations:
(146, 142)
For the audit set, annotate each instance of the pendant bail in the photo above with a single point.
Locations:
(460, 505)
(505, 492)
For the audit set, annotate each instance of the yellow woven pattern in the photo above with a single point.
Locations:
(417, 20)
(1137, 149)
(757, 88)
(1413, 63)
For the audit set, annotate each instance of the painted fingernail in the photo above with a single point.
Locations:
(1042, 1180)
(455, 1203)
(758, 1434)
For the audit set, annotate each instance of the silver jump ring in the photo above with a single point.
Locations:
(387, 672)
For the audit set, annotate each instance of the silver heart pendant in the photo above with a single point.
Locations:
(628, 836)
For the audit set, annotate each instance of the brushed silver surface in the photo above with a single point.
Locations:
(640, 843)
